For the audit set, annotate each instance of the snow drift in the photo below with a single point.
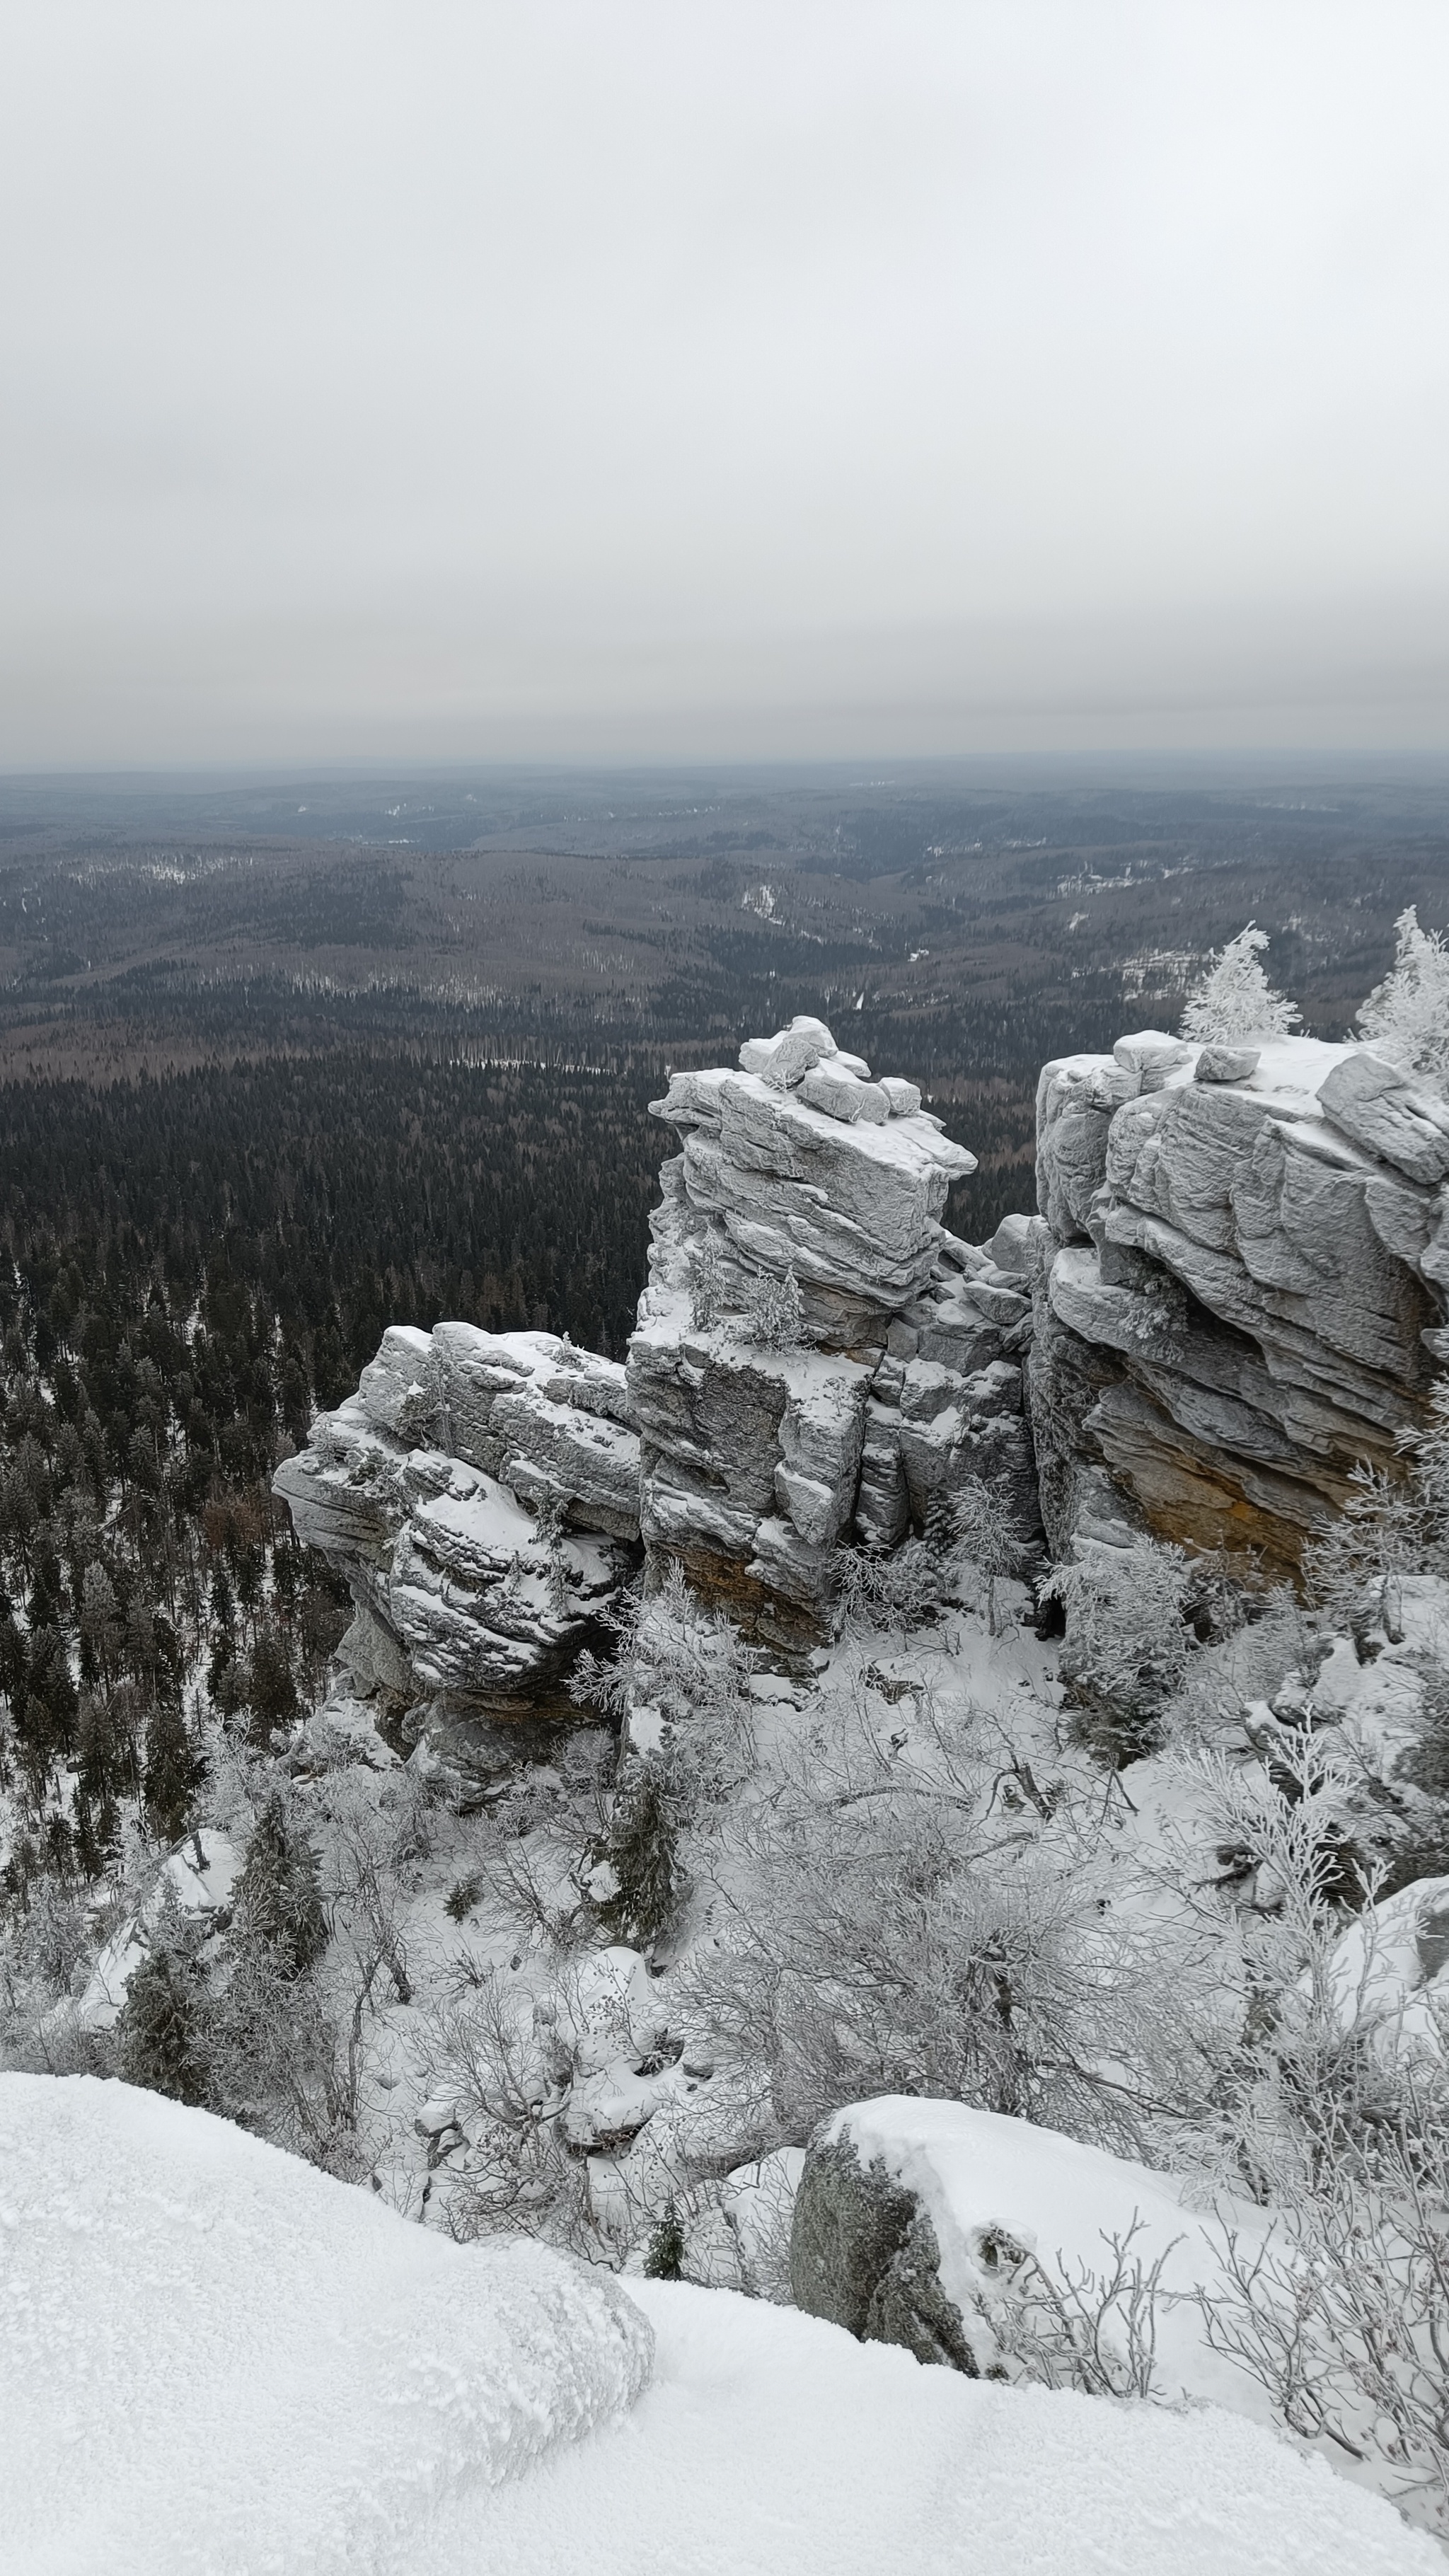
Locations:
(214, 2358)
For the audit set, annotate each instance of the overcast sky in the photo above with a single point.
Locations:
(563, 380)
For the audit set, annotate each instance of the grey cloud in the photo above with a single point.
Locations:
(563, 381)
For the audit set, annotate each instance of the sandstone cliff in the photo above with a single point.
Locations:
(1240, 1287)
(905, 1377)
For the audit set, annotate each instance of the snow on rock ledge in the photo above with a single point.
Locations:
(1243, 1286)
(993, 2191)
(213, 2358)
(425, 1488)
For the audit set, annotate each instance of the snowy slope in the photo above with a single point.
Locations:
(212, 2358)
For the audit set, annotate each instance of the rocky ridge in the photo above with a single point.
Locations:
(485, 1493)
(1240, 1287)
(904, 1377)
(1234, 1293)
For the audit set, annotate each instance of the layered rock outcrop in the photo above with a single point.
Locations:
(1240, 1287)
(762, 1447)
(483, 1492)
(479, 1492)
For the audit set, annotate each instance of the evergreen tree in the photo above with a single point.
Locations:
(173, 1772)
(664, 2260)
(640, 1850)
(161, 2034)
(1235, 1001)
(1406, 1017)
(279, 1893)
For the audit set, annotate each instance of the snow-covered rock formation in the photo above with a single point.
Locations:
(955, 2232)
(479, 1492)
(1243, 1287)
(772, 1426)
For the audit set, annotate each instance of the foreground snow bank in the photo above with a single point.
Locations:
(212, 2357)
(772, 2444)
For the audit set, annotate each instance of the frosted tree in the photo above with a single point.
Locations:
(987, 1531)
(775, 1318)
(1235, 1000)
(1407, 1016)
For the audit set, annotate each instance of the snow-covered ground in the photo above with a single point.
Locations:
(216, 2362)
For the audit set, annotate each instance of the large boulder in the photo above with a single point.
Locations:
(479, 1492)
(960, 2234)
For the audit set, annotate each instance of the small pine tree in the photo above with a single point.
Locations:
(1235, 1001)
(664, 2260)
(640, 1850)
(1407, 1016)
(776, 1314)
(707, 1281)
(279, 1893)
(161, 2031)
(173, 1772)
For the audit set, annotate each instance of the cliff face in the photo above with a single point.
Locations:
(1241, 1291)
(1234, 1292)
(486, 1493)
(904, 1378)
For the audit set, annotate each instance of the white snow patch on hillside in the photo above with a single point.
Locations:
(213, 2358)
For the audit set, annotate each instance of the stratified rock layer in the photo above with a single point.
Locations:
(903, 1378)
(416, 1489)
(1241, 1288)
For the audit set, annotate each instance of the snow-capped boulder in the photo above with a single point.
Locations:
(935, 2226)
(1243, 1288)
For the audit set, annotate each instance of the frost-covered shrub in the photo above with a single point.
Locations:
(1126, 1648)
(688, 1666)
(707, 1284)
(884, 1935)
(1391, 1526)
(1406, 1017)
(1235, 1000)
(989, 1536)
(775, 1315)
(900, 1587)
